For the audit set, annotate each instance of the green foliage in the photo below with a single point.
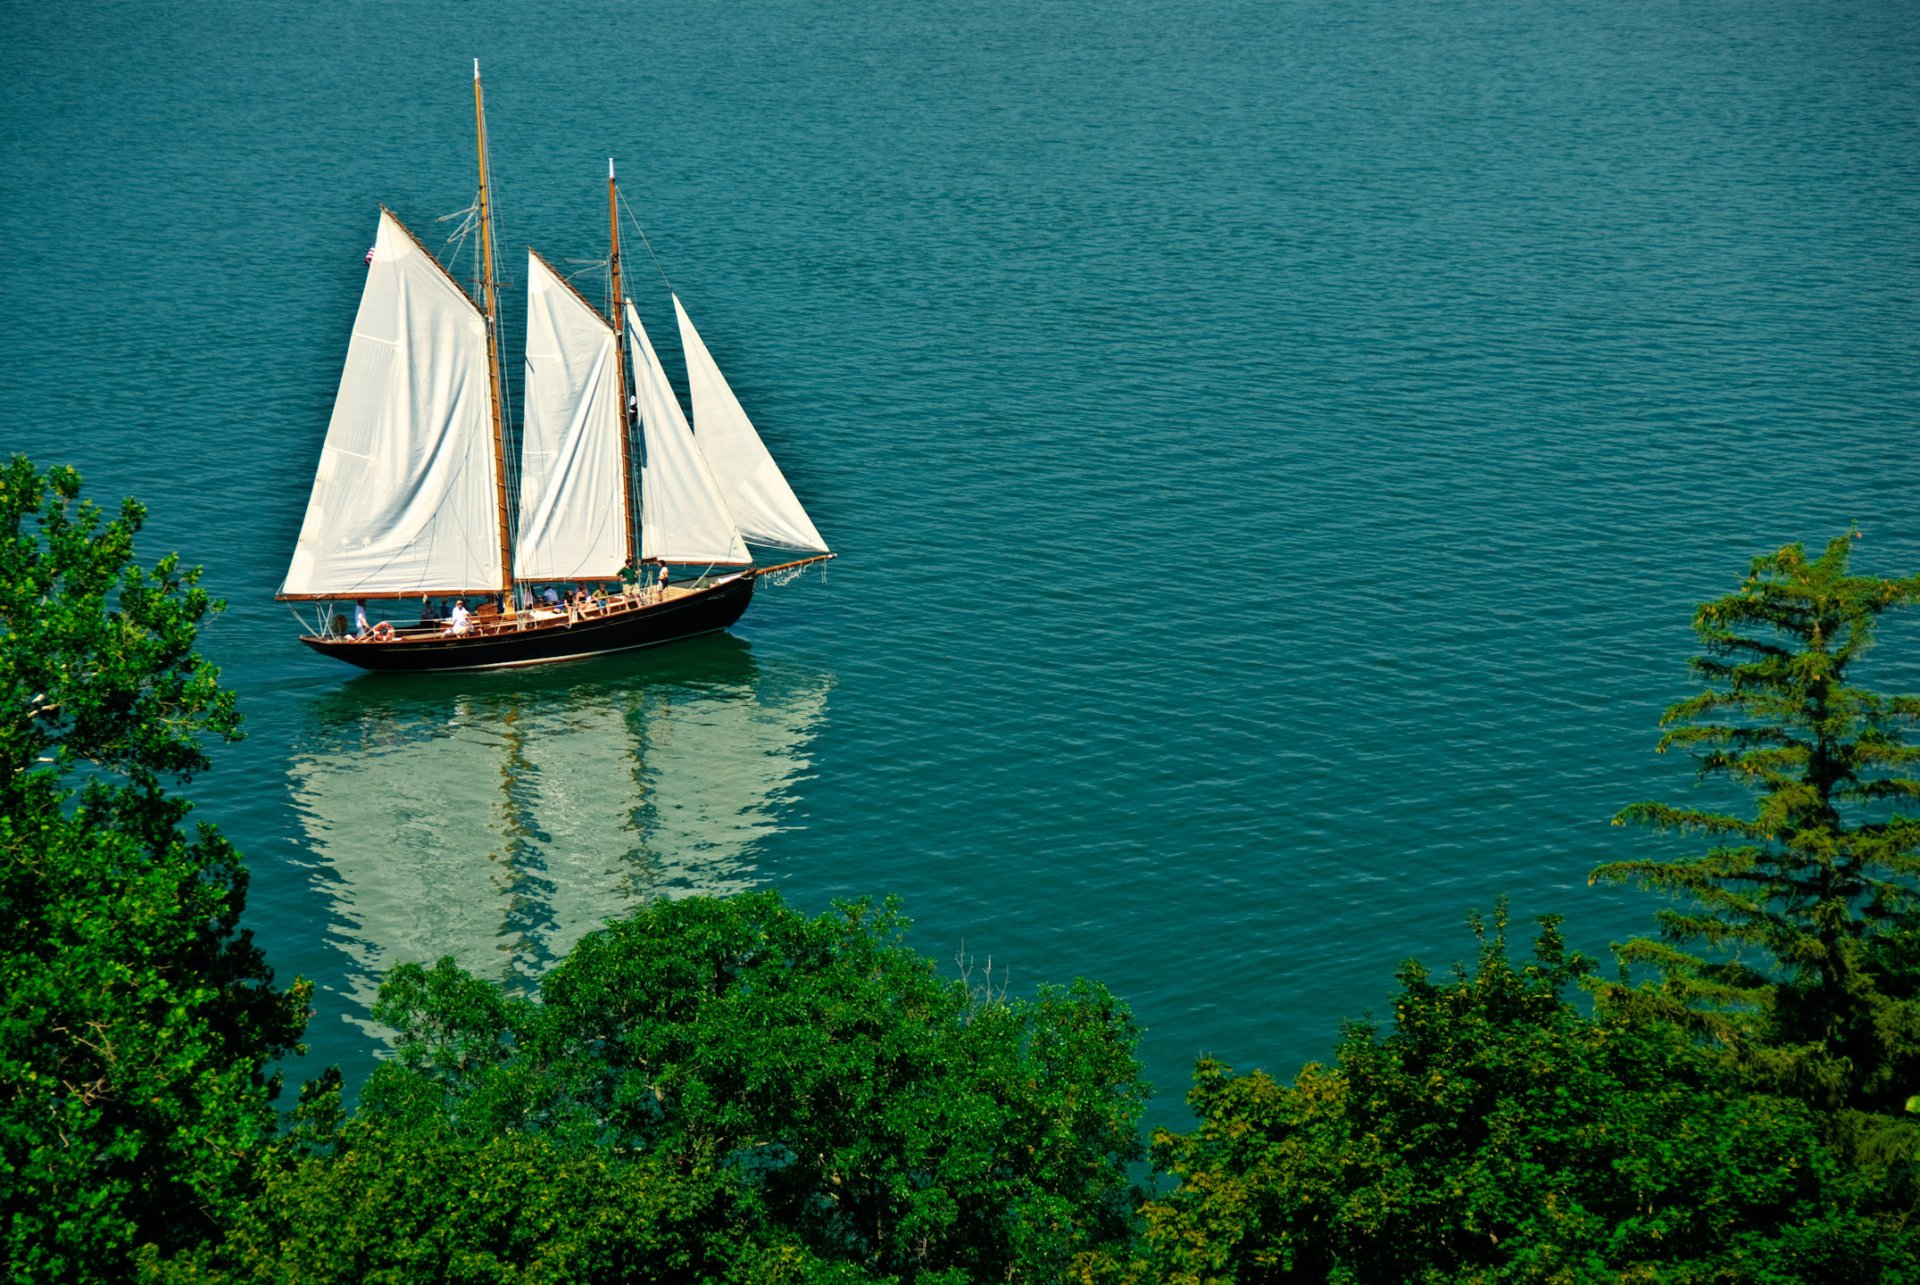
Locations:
(1498, 1134)
(404, 1194)
(135, 1019)
(1796, 943)
(725, 1090)
(750, 1093)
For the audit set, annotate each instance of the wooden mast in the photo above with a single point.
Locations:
(620, 367)
(490, 302)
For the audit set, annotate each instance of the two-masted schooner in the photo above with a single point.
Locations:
(411, 501)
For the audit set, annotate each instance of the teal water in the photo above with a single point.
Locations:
(1275, 449)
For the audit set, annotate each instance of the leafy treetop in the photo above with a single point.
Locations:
(1492, 1133)
(766, 1096)
(136, 1019)
(98, 667)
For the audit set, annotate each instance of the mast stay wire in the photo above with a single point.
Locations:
(641, 232)
(589, 265)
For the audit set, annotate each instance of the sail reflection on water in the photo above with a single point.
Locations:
(500, 820)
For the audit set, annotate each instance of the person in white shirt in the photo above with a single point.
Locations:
(458, 621)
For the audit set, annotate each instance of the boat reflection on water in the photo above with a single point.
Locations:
(498, 819)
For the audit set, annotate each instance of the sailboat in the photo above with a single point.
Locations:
(411, 502)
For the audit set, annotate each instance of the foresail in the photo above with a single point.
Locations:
(405, 499)
(573, 523)
(756, 492)
(682, 517)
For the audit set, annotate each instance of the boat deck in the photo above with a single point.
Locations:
(494, 624)
(537, 637)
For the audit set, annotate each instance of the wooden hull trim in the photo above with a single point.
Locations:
(702, 611)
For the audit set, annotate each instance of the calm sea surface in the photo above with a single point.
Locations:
(1274, 447)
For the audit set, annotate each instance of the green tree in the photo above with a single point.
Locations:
(136, 1020)
(1796, 943)
(768, 1096)
(405, 1193)
(1497, 1133)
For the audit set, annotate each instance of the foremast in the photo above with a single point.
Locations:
(490, 304)
(620, 369)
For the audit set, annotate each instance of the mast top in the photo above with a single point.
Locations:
(476, 69)
(609, 167)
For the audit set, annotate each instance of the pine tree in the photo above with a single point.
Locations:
(1794, 943)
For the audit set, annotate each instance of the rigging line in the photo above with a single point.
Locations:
(584, 266)
(456, 243)
(588, 265)
(459, 234)
(642, 233)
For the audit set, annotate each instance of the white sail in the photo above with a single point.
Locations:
(573, 507)
(406, 499)
(682, 517)
(756, 492)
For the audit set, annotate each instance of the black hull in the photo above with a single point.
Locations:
(700, 612)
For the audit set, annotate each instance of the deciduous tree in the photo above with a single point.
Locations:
(802, 1098)
(136, 1019)
(1494, 1132)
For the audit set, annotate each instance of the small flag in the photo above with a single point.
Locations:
(370, 250)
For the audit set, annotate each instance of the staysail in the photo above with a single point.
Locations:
(755, 490)
(404, 501)
(683, 518)
(573, 518)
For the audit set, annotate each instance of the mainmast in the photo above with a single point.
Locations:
(620, 366)
(490, 301)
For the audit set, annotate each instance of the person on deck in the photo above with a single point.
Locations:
(629, 577)
(360, 626)
(551, 598)
(458, 621)
(662, 585)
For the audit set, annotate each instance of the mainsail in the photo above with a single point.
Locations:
(755, 491)
(405, 500)
(573, 519)
(683, 518)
